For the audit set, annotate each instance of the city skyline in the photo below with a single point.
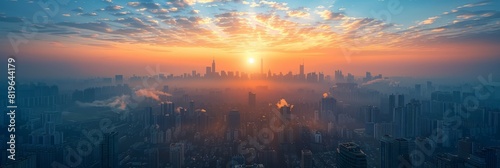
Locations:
(391, 37)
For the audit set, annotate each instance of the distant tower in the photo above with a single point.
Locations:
(119, 79)
(177, 155)
(350, 155)
(251, 99)
(302, 75)
(306, 161)
(391, 148)
(213, 65)
(109, 150)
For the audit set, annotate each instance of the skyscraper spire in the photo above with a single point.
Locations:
(213, 65)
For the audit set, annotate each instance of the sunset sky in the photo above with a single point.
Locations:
(392, 37)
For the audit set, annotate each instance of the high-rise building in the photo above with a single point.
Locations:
(418, 90)
(327, 111)
(392, 102)
(213, 66)
(349, 155)
(401, 100)
(208, 71)
(167, 108)
(233, 120)
(177, 155)
(286, 112)
(302, 75)
(191, 108)
(251, 99)
(410, 120)
(306, 160)
(148, 117)
(465, 148)
(394, 153)
(109, 150)
(118, 79)
(397, 117)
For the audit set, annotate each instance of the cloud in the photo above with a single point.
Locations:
(118, 103)
(154, 94)
(389, 82)
(78, 10)
(94, 26)
(429, 21)
(481, 3)
(88, 14)
(298, 13)
(113, 8)
(329, 15)
(66, 14)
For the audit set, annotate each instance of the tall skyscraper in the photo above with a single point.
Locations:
(233, 120)
(109, 150)
(327, 112)
(302, 75)
(167, 108)
(465, 148)
(213, 66)
(306, 160)
(148, 117)
(393, 152)
(401, 100)
(252, 99)
(177, 155)
(118, 79)
(410, 119)
(349, 155)
(208, 71)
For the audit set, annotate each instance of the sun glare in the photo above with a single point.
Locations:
(251, 60)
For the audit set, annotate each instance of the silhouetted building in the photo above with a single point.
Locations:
(109, 150)
(118, 79)
(327, 111)
(252, 99)
(394, 153)
(465, 148)
(177, 155)
(306, 160)
(349, 155)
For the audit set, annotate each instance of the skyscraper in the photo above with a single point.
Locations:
(302, 75)
(148, 117)
(465, 148)
(233, 119)
(118, 79)
(109, 151)
(208, 71)
(167, 108)
(177, 155)
(306, 160)
(393, 152)
(401, 100)
(327, 107)
(252, 99)
(213, 66)
(349, 155)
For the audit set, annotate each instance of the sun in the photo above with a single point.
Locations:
(251, 60)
